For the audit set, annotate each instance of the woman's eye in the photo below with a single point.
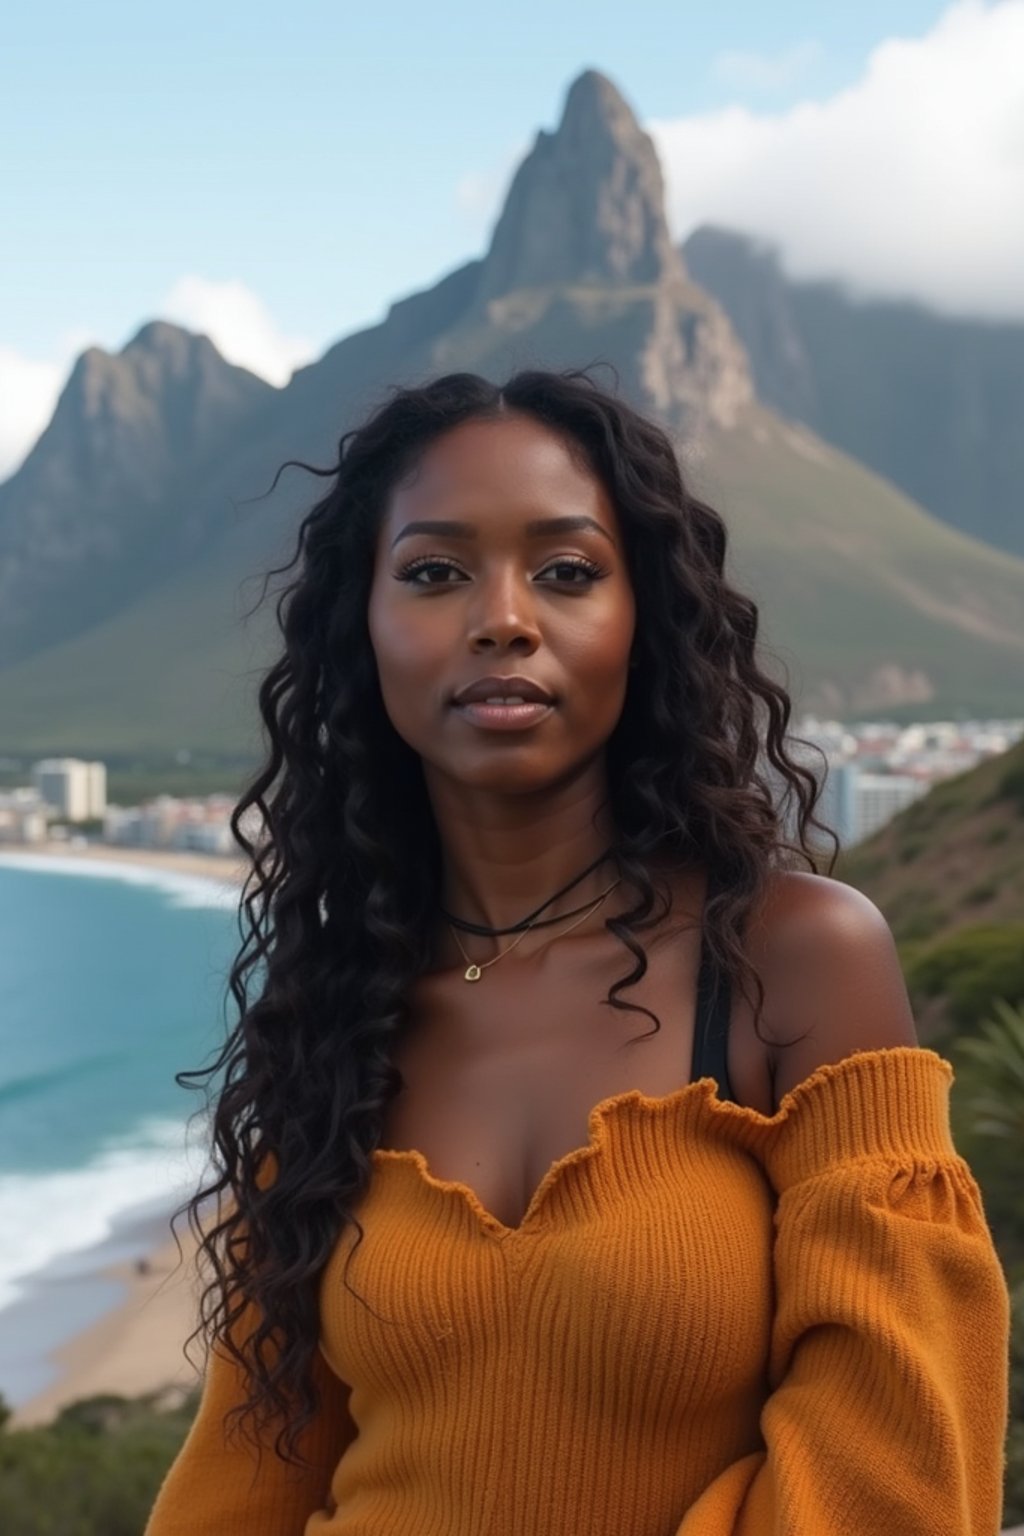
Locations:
(584, 567)
(416, 568)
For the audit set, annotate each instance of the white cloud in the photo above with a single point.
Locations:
(908, 183)
(767, 71)
(480, 194)
(29, 388)
(28, 391)
(239, 325)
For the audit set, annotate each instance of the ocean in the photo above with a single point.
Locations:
(112, 979)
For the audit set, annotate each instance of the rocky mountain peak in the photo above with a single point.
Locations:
(587, 205)
(166, 386)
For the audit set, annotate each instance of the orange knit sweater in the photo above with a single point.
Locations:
(708, 1322)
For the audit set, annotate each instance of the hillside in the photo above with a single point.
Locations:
(932, 402)
(868, 603)
(953, 859)
(873, 605)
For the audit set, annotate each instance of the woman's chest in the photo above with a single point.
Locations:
(501, 1079)
(649, 1254)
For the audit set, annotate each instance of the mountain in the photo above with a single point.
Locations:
(98, 511)
(934, 404)
(586, 205)
(867, 601)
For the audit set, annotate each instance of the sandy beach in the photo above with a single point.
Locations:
(212, 866)
(137, 1346)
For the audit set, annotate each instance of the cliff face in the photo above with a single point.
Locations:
(85, 523)
(582, 242)
(587, 205)
(934, 404)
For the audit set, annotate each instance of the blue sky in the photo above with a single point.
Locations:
(277, 178)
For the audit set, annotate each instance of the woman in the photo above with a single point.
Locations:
(495, 1261)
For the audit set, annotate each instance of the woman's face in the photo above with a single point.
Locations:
(499, 590)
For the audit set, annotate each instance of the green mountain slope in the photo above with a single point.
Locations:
(873, 605)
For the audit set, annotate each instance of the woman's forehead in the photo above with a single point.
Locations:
(512, 469)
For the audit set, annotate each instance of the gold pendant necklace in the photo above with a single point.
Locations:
(474, 970)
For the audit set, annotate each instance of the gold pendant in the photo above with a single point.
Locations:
(473, 973)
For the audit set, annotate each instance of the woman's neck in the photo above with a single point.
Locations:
(502, 856)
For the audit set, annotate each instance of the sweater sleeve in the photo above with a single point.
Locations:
(889, 1352)
(213, 1487)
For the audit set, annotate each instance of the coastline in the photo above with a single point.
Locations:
(135, 1343)
(221, 867)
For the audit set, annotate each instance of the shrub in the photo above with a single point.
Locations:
(95, 1471)
(973, 968)
(918, 916)
(1010, 786)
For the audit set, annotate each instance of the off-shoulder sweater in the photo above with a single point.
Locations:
(709, 1321)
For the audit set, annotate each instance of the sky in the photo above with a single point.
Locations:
(276, 177)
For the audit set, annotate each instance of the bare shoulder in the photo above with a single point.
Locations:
(831, 973)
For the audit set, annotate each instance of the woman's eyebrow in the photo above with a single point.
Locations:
(447, 529)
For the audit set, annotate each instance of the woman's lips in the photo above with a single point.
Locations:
(505, 717)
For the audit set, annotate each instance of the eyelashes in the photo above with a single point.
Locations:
(410, 571)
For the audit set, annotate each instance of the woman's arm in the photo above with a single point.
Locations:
(213, 1488)
(889, 1362)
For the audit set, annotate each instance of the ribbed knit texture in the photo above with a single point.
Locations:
(709, 1321)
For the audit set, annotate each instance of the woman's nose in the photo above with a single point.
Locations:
(504, 609)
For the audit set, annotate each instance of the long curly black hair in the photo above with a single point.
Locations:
(337, 911)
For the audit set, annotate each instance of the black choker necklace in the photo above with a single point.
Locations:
(482, 929)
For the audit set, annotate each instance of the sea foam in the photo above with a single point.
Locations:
(60, 1216)
(184, 890)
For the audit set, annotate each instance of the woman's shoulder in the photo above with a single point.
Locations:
(831, 973)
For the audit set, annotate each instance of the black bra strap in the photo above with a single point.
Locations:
(711, 1025)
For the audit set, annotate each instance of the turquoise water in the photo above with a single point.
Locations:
(110, 983)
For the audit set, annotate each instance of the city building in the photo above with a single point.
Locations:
(22, 816)
(76, 790)
(877, 797)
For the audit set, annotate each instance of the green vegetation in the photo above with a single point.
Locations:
(1010, 786)
(95, 1471)
(972, 970)
(987, 1117)
(132, 785)
(959, 847)
(928, 871)
(997, 1106)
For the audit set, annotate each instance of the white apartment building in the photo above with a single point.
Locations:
(200, 825)
(76, 790)
(854, 801)
(22, 816)
(875, 798)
